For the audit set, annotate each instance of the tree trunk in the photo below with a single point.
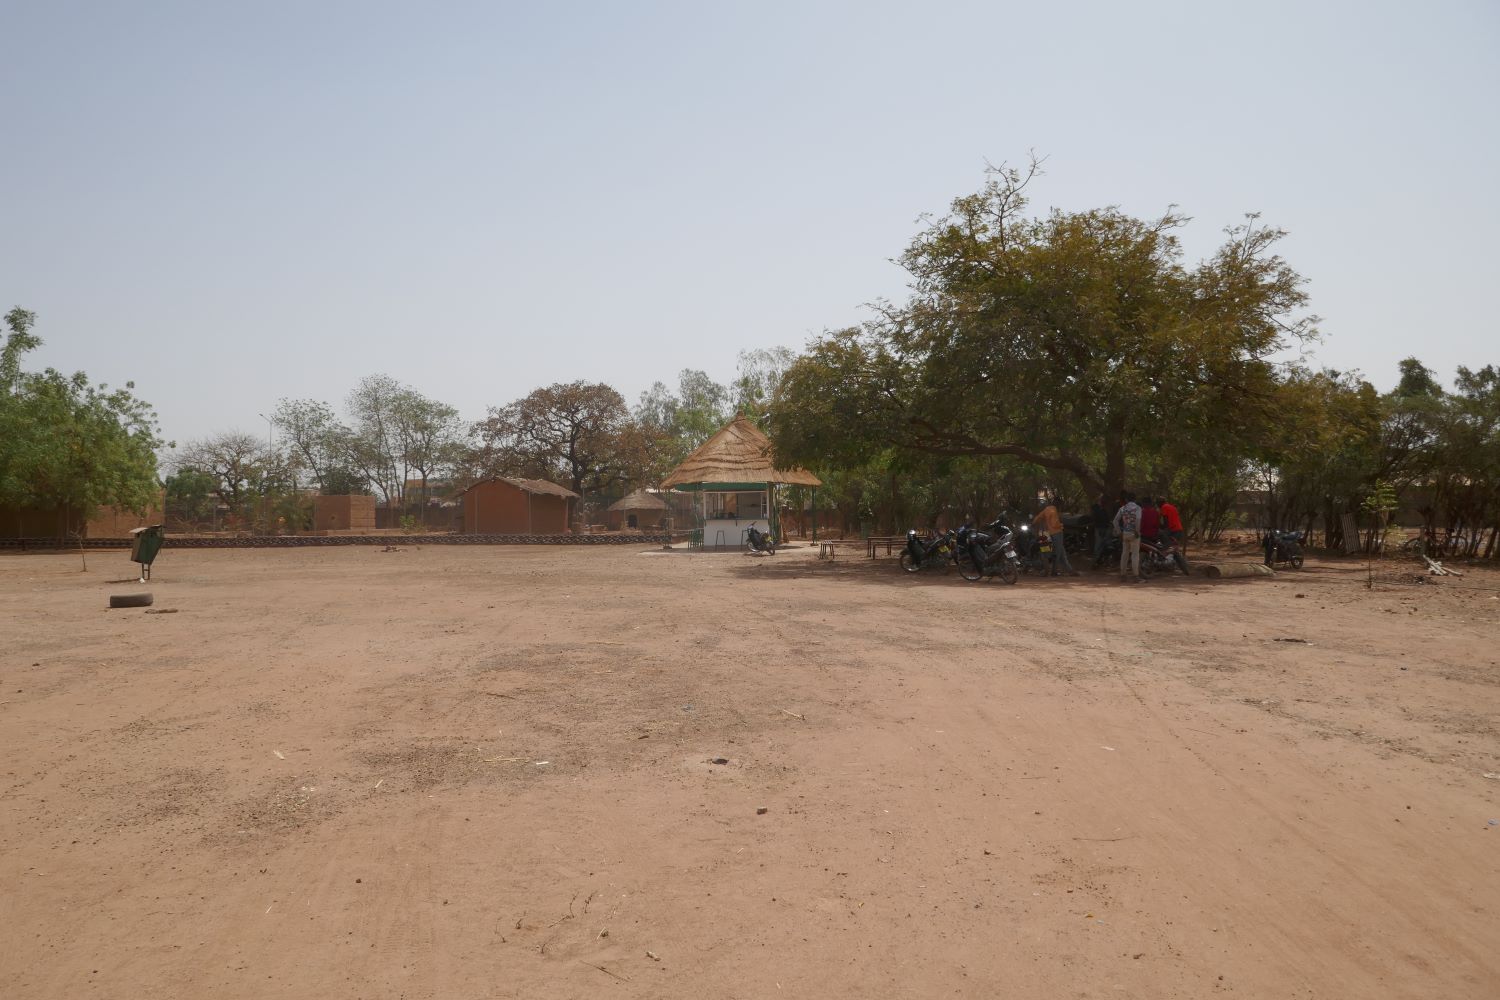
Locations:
(1114, 458)
(892, 530)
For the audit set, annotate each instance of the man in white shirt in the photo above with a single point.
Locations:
(1127, 525)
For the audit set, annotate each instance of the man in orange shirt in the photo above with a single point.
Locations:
(1051, 522)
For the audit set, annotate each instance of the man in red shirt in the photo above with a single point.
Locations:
(1150, 520)
(1172, 519)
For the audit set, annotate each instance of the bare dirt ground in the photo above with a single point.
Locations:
(487, 772)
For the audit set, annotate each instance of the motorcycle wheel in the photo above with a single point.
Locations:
(1296, 561)
(908, 564)
(969, 566)
(1007, 570)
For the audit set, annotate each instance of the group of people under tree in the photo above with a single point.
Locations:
(1125, 519)
(1152, 520)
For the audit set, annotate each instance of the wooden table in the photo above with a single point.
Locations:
(889, 541)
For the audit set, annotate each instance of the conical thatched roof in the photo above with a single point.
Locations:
(737, 453)
(640, 500)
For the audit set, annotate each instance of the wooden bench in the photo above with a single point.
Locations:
(889, 541)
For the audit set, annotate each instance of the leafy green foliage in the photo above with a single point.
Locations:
(673, 424)
(1078, 342)
(316, 440)
(192, 496)
(65, 442)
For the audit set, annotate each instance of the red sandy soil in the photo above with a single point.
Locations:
(487, 772)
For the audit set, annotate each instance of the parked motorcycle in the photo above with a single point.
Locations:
(1078, 534)
(759, 541)
(929, 553)
(1283, 547)
(1033, 549)
(988, 551)
(1162, 556)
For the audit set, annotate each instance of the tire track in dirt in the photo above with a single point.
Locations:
(1393, 902)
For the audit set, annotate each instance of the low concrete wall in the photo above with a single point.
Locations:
(315, 541)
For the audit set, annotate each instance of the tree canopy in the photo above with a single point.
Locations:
(1079, 342)
(575, 431)
(65, 442)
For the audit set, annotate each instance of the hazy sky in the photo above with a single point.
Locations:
(232, 203)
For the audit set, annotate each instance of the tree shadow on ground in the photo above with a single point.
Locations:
(887, 572)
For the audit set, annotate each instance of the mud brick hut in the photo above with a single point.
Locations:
(504, 506)
(637, 511)
(734, 484)
(351, 513)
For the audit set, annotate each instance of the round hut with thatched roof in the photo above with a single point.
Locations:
(734, 484)
(638, 510)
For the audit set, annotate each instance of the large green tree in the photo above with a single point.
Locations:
(669, 425)
(192, 496)
(394, 431)
(316, 441)
(1079, 342)
(1322, 457)
(1470, 488)
(65, 442)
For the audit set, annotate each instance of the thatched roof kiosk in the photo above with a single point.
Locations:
(735, 482)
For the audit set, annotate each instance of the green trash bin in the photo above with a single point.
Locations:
(145, 543)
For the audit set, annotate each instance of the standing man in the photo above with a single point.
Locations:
(1127, 525)
(1051, 522)
(1150, 520)
(1173, 522)
(1103, 514)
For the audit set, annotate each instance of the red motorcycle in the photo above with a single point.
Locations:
(1162, 556)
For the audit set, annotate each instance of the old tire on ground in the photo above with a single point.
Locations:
(130, 600)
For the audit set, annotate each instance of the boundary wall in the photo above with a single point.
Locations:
(314, 541)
